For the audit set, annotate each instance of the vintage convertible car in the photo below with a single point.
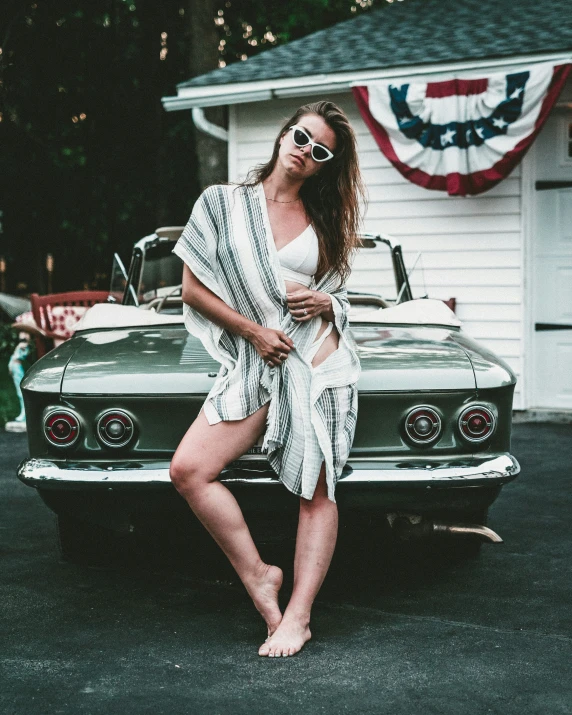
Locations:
(107, 409)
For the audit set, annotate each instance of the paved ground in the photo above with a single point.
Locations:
(172, 635)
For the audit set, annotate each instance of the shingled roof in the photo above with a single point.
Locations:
(413, 32)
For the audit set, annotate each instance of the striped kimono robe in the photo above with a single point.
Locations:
(228, 245)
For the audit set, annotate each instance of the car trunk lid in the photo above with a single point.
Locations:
(168, 360)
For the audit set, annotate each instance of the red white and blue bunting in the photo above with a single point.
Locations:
(462, 136)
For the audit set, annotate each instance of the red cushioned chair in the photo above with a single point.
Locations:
(451, 303)
(56, 315)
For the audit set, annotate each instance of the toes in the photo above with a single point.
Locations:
(276, 651)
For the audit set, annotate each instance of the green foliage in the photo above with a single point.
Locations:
(89, 160)
(8, 341)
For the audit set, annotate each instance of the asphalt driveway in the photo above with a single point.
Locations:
(173, 633)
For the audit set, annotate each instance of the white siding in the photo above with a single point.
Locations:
(471, 247)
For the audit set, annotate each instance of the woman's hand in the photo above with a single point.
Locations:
(305, 304)
(272, 345)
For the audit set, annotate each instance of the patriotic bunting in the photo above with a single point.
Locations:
(462, 136)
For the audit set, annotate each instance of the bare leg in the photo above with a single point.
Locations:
(315, 544)
(194, 471)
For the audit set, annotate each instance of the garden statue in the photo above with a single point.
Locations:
(17, 369)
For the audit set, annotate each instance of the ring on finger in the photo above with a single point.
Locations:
(305, 311)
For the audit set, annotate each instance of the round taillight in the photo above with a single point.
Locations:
(423, 425)
(115, 428)
(476, 423)
(61, 427)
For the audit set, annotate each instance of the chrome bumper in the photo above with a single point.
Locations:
(358, 472)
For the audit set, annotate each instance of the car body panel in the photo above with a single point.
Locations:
(162, 420)
(46, 374)
(411, 358)
(167, 360)
(490, 369)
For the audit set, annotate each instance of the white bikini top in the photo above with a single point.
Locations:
(299, 258)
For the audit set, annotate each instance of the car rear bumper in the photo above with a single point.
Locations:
(358, 474)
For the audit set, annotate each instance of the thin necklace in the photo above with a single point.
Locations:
(283, 202)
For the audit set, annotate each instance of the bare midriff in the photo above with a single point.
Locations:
(291, 287)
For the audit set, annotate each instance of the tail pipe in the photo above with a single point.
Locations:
(412, 526)
(484, 532)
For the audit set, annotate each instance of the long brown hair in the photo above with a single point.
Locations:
(331, 195)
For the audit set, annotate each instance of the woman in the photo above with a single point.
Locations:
(263, 288)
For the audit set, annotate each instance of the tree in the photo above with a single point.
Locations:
(212, 165)
(89, 160)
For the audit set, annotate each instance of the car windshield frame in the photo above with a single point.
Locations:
(144, 251)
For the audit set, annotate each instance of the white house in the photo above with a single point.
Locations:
(506, 254)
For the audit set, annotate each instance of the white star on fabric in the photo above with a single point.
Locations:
(480, 132)
(447, 138)
(517, 92)
(500, 122)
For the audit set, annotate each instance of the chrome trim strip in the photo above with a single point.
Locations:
(504, 467)
(44, 473)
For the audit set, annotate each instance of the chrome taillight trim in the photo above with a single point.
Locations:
(104, 437)
(492, 420)
(53, 442)
(437, 424)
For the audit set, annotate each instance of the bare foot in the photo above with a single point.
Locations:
(264, 592)
(288, 638)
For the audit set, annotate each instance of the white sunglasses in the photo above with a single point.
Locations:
(319, 151)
